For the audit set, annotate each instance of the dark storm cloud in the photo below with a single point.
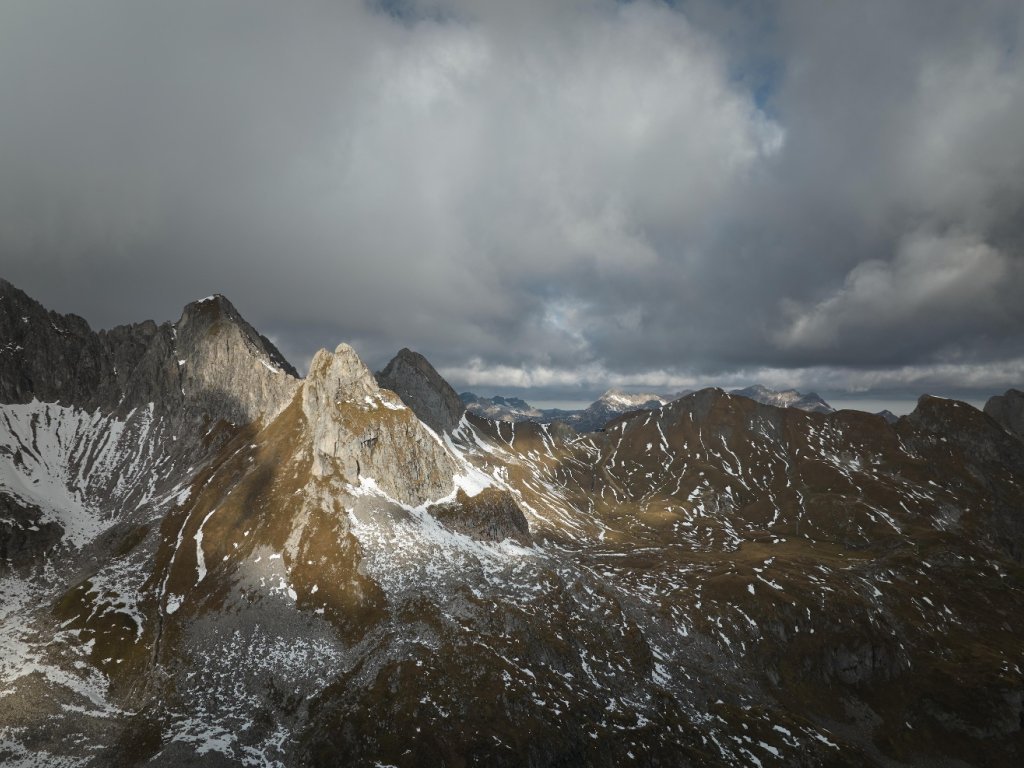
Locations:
(536, 194)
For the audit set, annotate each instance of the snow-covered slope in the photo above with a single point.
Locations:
(78, 467)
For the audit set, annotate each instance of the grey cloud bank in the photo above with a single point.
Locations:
(552, 196)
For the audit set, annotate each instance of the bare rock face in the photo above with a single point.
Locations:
(227, 367)
(491, 515)
(363, 432)
(58, 358)
(211, 362)
(423, 389)
(1008, 411)
(23, 534)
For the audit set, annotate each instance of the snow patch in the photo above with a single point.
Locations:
(173, 603)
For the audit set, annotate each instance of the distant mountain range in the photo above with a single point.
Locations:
(616, 402)
(788, 398)
(206, 560)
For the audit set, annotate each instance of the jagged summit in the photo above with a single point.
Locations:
(511, 402)
(423, 389)
(58, 358)
(211, 362)
(217, 309)
(365, 433)
(343, 373)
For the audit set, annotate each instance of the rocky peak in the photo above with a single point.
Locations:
(1008, 411)
(973, 441)
(211, 314)
(364, 434)
(424, 390)
(226, 368)
(337, 377)
(713, 404)
(211, 361)
(889, 416)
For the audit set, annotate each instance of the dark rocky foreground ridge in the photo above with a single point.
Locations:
(209, 561)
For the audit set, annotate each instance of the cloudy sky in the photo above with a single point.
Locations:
(545, 198)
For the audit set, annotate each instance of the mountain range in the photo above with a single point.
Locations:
(615, 402)
(207, 560)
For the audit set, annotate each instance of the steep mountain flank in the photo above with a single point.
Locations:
(102, 428)
(430, 397)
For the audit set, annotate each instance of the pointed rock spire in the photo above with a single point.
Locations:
(424, 390)
(226, 367)
(362, 432)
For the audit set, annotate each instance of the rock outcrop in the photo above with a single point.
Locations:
(1008, 411)
(24, 535)
(423, 389)
(364, 433)
(491, 515)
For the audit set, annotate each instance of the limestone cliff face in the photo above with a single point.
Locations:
(363, 432)
(226, 367)
(422, 388)
(211, 363)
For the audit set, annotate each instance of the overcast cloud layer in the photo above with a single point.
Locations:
(550, 195)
